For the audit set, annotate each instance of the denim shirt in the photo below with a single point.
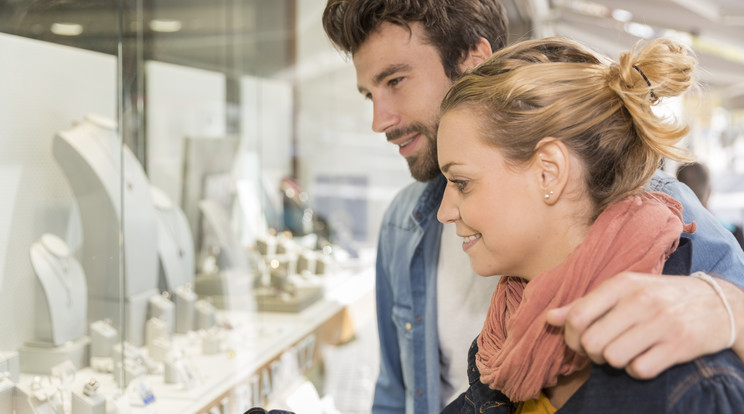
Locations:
(716, 250)
(407, 257)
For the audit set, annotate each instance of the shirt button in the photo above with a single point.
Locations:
(419, 392)
(419, 318)
(409, 326)
(418, 250)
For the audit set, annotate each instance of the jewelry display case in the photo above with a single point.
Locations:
(173, 236)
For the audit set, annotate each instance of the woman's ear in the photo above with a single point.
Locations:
(480, 52)
(552, 169)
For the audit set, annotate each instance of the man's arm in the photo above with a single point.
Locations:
(389, 394)
(647, 323)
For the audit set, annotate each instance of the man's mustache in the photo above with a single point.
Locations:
(413, 128)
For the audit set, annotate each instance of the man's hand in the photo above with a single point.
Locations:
(647, 323)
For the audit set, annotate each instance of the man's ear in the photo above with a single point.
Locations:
(480, 52)
(552, 165)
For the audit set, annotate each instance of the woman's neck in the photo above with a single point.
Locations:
(566, 387)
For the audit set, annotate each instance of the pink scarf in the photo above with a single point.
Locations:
(519, 352)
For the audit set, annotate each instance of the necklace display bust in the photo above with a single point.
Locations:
(61, 299)
(175, 243)
(118, 220)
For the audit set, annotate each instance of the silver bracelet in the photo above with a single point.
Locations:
(712, 282)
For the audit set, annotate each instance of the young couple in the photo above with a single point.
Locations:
(545, 173)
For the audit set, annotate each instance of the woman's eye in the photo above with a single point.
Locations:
(395, 82)
(460, 184)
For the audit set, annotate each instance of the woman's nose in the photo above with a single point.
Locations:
(448, 212)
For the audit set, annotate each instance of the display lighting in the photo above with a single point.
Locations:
(622, 15)
(67, 29)
(165, 26)
(640, 30)
(586, 8)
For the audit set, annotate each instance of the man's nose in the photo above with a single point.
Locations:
(384, 115)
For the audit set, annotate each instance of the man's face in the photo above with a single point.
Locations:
(404, 78)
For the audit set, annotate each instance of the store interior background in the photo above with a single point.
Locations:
(261, 77)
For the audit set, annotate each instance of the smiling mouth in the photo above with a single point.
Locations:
(404, 144)
(473, 237)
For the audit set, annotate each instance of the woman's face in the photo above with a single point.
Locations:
(496, 207)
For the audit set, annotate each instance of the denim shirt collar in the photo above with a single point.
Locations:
(429, 201)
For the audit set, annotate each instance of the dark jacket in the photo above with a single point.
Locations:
(712, 384)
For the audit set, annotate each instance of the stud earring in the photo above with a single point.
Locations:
(547, 195)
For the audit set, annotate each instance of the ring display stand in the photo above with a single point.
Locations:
(38, 397)
(88, 401)
(103, 337)
(163, 308)
(107, 179)
(185, 301)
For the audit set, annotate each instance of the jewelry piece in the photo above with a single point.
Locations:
(90, 387)
(57, 255)
(36, 383)
(712, 282)
(547, 195)
(169, 218)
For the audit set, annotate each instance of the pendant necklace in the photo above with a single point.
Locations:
(111, 146)
(169, 217)
(57, 255)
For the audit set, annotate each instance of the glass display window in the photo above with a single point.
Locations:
(179, 227)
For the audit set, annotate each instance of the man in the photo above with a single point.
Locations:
(430, 306)
(696, 176)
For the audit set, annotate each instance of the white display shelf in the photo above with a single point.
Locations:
(228, 382)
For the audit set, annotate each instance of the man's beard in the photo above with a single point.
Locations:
(423, 167)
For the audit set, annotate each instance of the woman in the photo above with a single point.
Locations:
(547, 148)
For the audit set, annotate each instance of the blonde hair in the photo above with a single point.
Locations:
(600, 109)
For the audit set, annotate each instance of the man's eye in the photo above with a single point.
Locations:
(395, 81)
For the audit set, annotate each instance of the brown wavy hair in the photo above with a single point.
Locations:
(600, 109)
(453, 27)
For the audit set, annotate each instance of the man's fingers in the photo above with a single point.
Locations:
(644, 323)
(633, 325)
(586, 311)
(557, 316)
(655, 360)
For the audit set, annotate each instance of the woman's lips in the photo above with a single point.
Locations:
(470, 241)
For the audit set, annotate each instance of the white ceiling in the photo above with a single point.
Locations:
(713, 28)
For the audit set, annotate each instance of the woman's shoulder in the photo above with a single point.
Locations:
(710, 384)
